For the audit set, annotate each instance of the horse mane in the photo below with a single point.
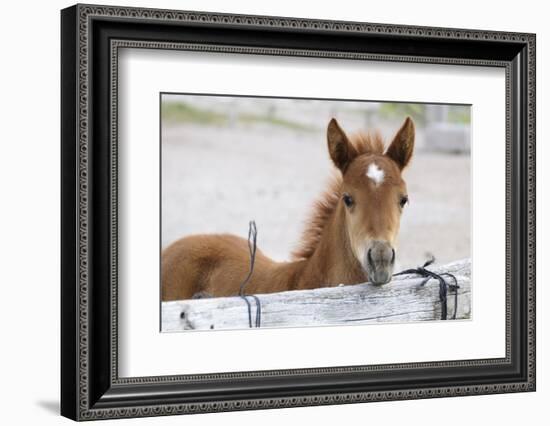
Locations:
(325, 205)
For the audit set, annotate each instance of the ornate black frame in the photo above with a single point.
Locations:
(90, 386)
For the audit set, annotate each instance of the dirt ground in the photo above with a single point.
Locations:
(216, 179)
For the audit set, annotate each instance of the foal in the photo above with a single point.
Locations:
(350, 238)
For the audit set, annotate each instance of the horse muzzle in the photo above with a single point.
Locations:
(379, 262)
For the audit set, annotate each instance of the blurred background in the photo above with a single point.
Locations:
(227, 160)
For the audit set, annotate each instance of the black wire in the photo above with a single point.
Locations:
(421, 270)
(443, 286)
(454, 287)
(252, 237)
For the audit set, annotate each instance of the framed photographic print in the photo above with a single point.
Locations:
(263, 212)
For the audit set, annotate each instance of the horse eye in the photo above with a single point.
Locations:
(348, 200)
(404, 200)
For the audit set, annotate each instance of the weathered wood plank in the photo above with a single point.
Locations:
(404, 299)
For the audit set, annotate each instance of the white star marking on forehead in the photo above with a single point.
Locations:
(375, 173)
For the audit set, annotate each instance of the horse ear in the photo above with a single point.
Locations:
(341, 151)
(401, 148)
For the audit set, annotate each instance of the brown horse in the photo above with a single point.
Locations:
(350, 238)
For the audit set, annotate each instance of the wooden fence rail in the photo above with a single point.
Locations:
(402, 300)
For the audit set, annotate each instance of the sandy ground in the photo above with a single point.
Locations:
(216, 179)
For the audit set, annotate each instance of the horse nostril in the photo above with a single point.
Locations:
(392, 255)
(369, 258)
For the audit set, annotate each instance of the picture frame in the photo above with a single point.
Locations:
(91, 387)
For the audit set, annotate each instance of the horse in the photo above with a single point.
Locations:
(349, 239)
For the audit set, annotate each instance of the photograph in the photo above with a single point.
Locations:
(293, 212)
(265, 209)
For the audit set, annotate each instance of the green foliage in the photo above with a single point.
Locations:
(459, 115)
(274, 121)
(390, 110)
(182, 112)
